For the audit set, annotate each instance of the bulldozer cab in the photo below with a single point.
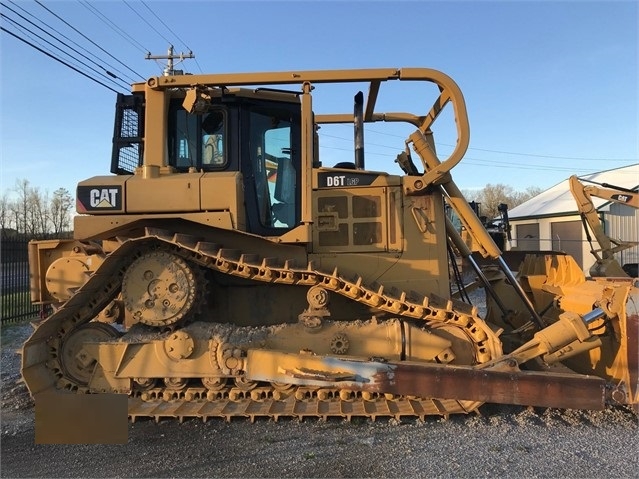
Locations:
(258, 138)
(238, 152)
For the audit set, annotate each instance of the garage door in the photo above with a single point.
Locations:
(527, 237)
(567, 237)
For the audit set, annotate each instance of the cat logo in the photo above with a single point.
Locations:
(103, 198)
(99, 198)
(622, 198)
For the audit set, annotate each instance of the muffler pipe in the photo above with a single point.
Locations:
(358, 118)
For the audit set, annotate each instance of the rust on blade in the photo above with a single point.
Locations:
(431, 380)
(526, 388)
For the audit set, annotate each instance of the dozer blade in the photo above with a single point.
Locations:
(428, 380)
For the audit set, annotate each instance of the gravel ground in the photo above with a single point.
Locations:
(500, 441)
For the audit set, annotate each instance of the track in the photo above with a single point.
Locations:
(43, 372)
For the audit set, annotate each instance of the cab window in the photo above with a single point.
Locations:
(275, 175)
(197, 140)
(213, 140)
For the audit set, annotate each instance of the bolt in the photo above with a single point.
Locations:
(619, 396)
(344, 394)
(232, 363)
(256, 395)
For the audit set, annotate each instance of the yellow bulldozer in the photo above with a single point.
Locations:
(222, 269)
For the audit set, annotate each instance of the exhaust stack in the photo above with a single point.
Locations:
(359, 130)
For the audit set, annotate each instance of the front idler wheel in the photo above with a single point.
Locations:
(75, 361)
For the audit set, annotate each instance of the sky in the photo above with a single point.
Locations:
(551, 87)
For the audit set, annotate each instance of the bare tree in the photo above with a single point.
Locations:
(5, 213)
(36, 213)
(491, 196)
(60, 210)
(20, 207)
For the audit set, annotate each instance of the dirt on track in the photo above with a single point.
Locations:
(502, 441)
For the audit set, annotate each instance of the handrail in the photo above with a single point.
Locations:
(449, 92)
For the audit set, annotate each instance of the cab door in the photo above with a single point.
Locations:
(270, 163)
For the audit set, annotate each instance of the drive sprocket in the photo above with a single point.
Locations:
(159, 288)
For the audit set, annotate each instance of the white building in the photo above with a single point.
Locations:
(550, 220)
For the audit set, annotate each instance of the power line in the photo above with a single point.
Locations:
(57, 59)
(165, 25)
(152, 27)
(478, 161)
(86, 38)
(518, 153)
(23, 29)
(113, 26)
(172, 32)
(511, 166)
(553, 157)
(502, 164)
(147, 22)
(72, 41)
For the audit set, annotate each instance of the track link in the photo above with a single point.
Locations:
(42, 371)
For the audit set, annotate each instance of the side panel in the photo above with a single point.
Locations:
(223, 191)
(374, 233)
(163, 194)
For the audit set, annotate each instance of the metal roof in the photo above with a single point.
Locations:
(558, 201)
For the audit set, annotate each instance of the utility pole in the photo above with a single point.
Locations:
(170, 56)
